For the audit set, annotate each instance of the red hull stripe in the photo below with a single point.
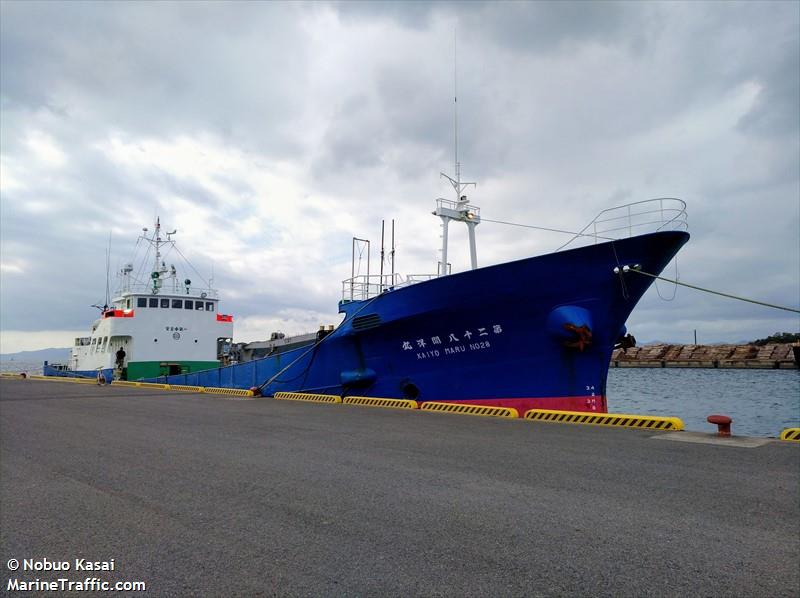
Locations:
(591, 404)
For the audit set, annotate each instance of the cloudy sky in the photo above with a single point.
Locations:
(270, 134)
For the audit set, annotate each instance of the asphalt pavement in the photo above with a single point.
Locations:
(201, 495)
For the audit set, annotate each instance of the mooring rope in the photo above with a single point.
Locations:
(677, 282)
(728, 295)
(313, 347)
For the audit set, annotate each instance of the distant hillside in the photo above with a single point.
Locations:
(53, 354)
(778, 337)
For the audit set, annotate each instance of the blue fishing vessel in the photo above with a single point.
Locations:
(532, 333)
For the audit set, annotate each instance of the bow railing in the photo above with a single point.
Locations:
(639, 217)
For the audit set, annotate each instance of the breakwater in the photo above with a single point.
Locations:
(772, 356)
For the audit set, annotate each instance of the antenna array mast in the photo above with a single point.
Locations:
(459, 210)
(160, 272)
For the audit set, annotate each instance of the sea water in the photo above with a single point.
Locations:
(761, 402)
(29, 367)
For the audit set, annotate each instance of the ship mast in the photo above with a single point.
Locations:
(160, 270)
(459, 210)
(157, 239)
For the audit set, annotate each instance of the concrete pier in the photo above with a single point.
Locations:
(211, 495)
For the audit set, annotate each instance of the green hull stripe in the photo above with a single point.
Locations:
(151, 369)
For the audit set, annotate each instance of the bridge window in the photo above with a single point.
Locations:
(209, 306)
(128, 303)
(198, 305)
(141, 302)
(153, 302)
(188, 304)
(177, 303)
(165, 303)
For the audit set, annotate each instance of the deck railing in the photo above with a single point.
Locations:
(362, 287)
(649, 215)
(168, 289)
(457, 206)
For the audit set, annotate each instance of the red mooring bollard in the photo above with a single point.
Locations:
(723, 424)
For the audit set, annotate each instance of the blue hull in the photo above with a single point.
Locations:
(534, 333)
(108, 373)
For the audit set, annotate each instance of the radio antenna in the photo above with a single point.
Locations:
(455, 104)
(108, 270)
(459, 210)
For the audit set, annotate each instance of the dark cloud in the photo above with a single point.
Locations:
(777, 108)
(545, 27)
(408, 14)
(162, 69)
(518, 26)
(308, 123)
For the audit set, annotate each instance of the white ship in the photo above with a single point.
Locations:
(163, 324)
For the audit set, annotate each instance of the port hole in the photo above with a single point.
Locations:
(410, 391)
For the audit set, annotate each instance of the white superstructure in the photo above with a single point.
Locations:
(163, 324)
